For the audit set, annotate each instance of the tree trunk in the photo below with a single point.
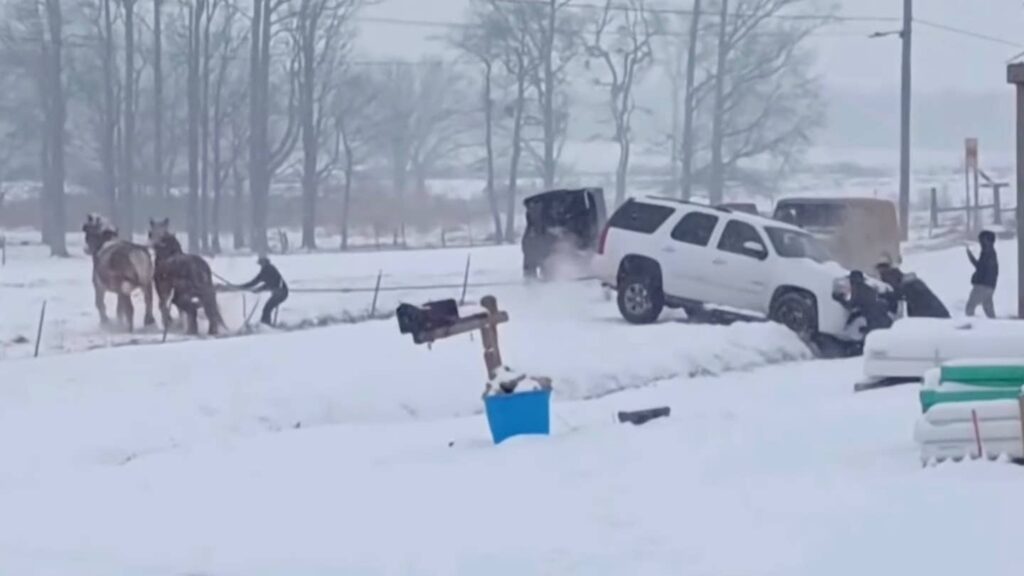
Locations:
(549, 98)
(57, 119)
(717, 179)
(218, 172)
(517, 151)
(194, 225)
(237, 222)
(346, 200)
(158, 104)
(492, 198)
(307, 112)
(259, 156)
(128, 136)
(688, 104)
(204, 110)
(110, 121)
(622, 171)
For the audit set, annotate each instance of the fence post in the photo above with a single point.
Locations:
(39, 330)
(465, 280)
(933, 220)
(376, 291)
(997, 202)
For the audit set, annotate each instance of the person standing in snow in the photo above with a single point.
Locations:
(921, 301)
(864, 302)
(985, 277)
(270, 280)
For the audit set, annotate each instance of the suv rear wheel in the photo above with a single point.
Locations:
(640, 298)
(796, 311)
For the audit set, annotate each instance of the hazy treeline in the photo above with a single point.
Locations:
(206, 107)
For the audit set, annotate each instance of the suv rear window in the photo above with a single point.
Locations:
(639, 217)
(695, 228)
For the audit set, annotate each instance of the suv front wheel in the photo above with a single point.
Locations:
(640, 299)
(797, 312)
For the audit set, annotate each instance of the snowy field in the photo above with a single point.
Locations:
(348, 450)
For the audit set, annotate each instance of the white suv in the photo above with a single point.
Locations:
(660, 252)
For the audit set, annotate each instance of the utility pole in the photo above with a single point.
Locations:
(905, 35)
(1015, 76)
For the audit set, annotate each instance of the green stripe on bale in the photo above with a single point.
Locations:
(995, 375)
(931, 398)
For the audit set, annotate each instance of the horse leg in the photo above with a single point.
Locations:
(147, 293)
(212, 313)
(121, 315)
(190, 311)
(101, 305)
(129, 312)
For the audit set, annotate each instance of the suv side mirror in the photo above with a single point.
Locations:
(755, 249)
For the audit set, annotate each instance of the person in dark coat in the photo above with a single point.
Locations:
(864, 302)
(921, 301)
(270, 280)
(985, 277)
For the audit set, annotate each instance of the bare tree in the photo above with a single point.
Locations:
(478, 40)
(621, 43)
(266, 157)
(228, 95)
(355, 121)
(321, 41)
(422, 123)
(33, 34)
(767, 101)
(686, 155)
(127, 192)
(158, 100)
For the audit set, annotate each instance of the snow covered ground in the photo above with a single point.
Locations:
(776, 471)
(349, 450)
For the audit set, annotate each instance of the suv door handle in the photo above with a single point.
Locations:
(668, 250)
(718, 262)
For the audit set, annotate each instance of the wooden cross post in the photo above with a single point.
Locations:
(486, 322)
(489, 336)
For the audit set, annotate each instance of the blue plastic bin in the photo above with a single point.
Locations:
(520, 413)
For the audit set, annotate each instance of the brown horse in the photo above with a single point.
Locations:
(184, 280)
(120, 267)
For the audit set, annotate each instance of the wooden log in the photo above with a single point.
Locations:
(640, 417)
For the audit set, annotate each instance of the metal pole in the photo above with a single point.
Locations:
(1020, 199)
(39, 330)
(376, 292)
(465, 281)
(1015, 76)
(908, 18)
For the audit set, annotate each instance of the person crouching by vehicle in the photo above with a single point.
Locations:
(864, 302)
(921, 301)
(985, 277)
(270, 280)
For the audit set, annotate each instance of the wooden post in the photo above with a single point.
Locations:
(376, 292)
(997, 202)
(39, 330)
(933, 220)
(489, 337)
(465, 281)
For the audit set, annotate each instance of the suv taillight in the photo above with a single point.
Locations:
(603, 238)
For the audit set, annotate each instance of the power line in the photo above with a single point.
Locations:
(467, 25)
(575, 4)
(969, 33)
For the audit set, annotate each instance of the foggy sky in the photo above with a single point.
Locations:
(848, 60)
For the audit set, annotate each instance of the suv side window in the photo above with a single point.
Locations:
(639, 217)
(695, 228)
(737, 235)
